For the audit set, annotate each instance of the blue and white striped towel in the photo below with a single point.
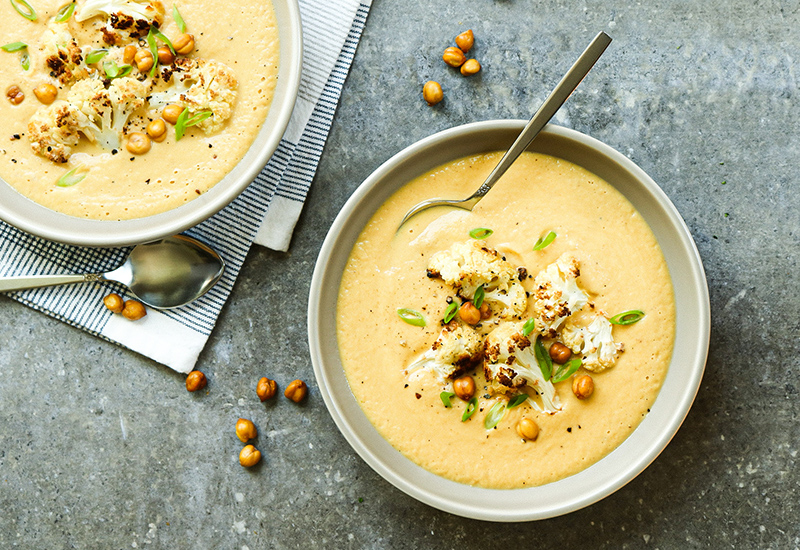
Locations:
(265, 213)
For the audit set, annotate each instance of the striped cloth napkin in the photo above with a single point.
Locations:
(265, 213)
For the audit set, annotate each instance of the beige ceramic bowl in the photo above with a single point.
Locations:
(23, 213)
(621, 465)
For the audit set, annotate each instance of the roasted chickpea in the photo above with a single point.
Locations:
(583, 386)
(470, 67)
(45, 93)
(157, 130)
(129, 54)
(144, 60)
(245, 430)
(485, 311)
(15, 94)
(171, 112)
(469, 313)
(464, 387)
(266, 389)
(453, 57)
(432, 92)
(165, 55)
(138, 143)
(114, 302)
(133, 310)
(184, 44)
(528, 429)
(195, 381)
(296, 391)
(560, 353)
(465, 40)
(249, 456)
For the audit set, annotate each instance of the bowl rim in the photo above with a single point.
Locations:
(25, 214)
(427, 487)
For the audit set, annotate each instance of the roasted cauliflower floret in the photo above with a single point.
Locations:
(556, 295)
(127, 19)
(201, 85)
(62, 55)
(457, 349)
(594, 342)
(467, 266)
(53, 131)
(510, 364)
(103, 114)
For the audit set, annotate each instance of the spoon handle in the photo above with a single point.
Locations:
(36, 281)
(553, 102)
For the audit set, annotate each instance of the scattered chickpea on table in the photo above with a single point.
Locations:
(432, 92)
(195, 381)
(296, 391)
(266, 389)
(245, 430)
(249, 456)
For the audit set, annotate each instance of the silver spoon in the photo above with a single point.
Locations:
(553, 102)
(163, 274)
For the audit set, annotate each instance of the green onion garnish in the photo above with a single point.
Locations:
(472, 406)
(184, 121)
(65, 12)
(446, 396)
(72, 177)
(543, 358)
(566, 370)
(178, 19)
(24, 9)
(95, 55)
(408, 315)
(450, 312)
(114, 71)
(480, 233)
(151, 44)
(627, 318)
(164, 39)
(14, 47)
(494, 416)
(25, 61)
(545, 241)
(478, 298)
(180, 129)
(528, 327)
(517, 400)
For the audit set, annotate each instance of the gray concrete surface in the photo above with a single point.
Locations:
(100, 448)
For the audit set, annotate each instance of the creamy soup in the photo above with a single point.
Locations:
(621, 268)
(120, 185)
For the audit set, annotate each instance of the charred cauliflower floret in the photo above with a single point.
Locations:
(127, 20)
(467, 266)
(102, 114)
(62, 55)
(53, 131)
(510, 364)
(201, 85)
(594, 342)
(556, 295)
(457, 349)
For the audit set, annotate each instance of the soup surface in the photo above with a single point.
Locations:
(119, 185)
(621, 269)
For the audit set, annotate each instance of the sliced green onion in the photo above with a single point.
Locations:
(151, 44)
(528, 327)
(517, 400)
(114, 71)
(408, 315)
(446, 396)
(450, 312)
(72, 177)
(199, 117)
(472, 406)
(14, 47)
(65, 12)
(184, 121)
(164, 39)
(480, 233)
(627, 318)
(180, 129)
(178, 19)
(545, 241)
(478, 298)
(543, 358)
(494, 416)
(24, 9)
(566, 370)
(25, 61)
(96, 55)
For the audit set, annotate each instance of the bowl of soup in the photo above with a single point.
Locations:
(572, 240)
(103, 192)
